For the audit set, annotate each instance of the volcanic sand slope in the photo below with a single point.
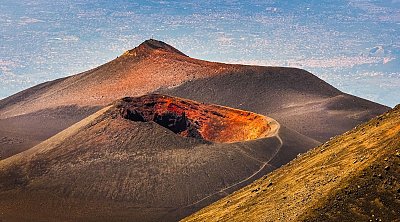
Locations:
(353, 177)
(294, 97)
(114, 165)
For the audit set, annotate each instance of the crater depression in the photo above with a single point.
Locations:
(192, 119)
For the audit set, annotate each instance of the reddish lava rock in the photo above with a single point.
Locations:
(192, 119)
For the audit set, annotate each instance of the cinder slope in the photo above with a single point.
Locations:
(353, 177)
(295, 98)
(111, 167)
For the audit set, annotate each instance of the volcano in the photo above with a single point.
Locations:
(153, 157)
(156, 135)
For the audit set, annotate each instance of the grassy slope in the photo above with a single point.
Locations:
(354, 176)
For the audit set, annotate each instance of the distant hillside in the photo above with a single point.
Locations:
(353, 177)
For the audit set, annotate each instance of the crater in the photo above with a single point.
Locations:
(193, 119)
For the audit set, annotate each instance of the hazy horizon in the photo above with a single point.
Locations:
(353, 45)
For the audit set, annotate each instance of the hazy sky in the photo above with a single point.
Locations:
(354, 45)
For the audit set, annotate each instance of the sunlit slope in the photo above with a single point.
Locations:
(60, 103)
(151, 65)
(353, 177)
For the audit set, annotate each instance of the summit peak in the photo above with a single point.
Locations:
(150, 45)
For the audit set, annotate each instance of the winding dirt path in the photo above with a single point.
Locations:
(274, 132)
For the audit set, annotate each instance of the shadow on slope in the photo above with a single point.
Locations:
(24, 131)
(295, 98)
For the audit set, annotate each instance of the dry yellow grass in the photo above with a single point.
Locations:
(354, 176)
